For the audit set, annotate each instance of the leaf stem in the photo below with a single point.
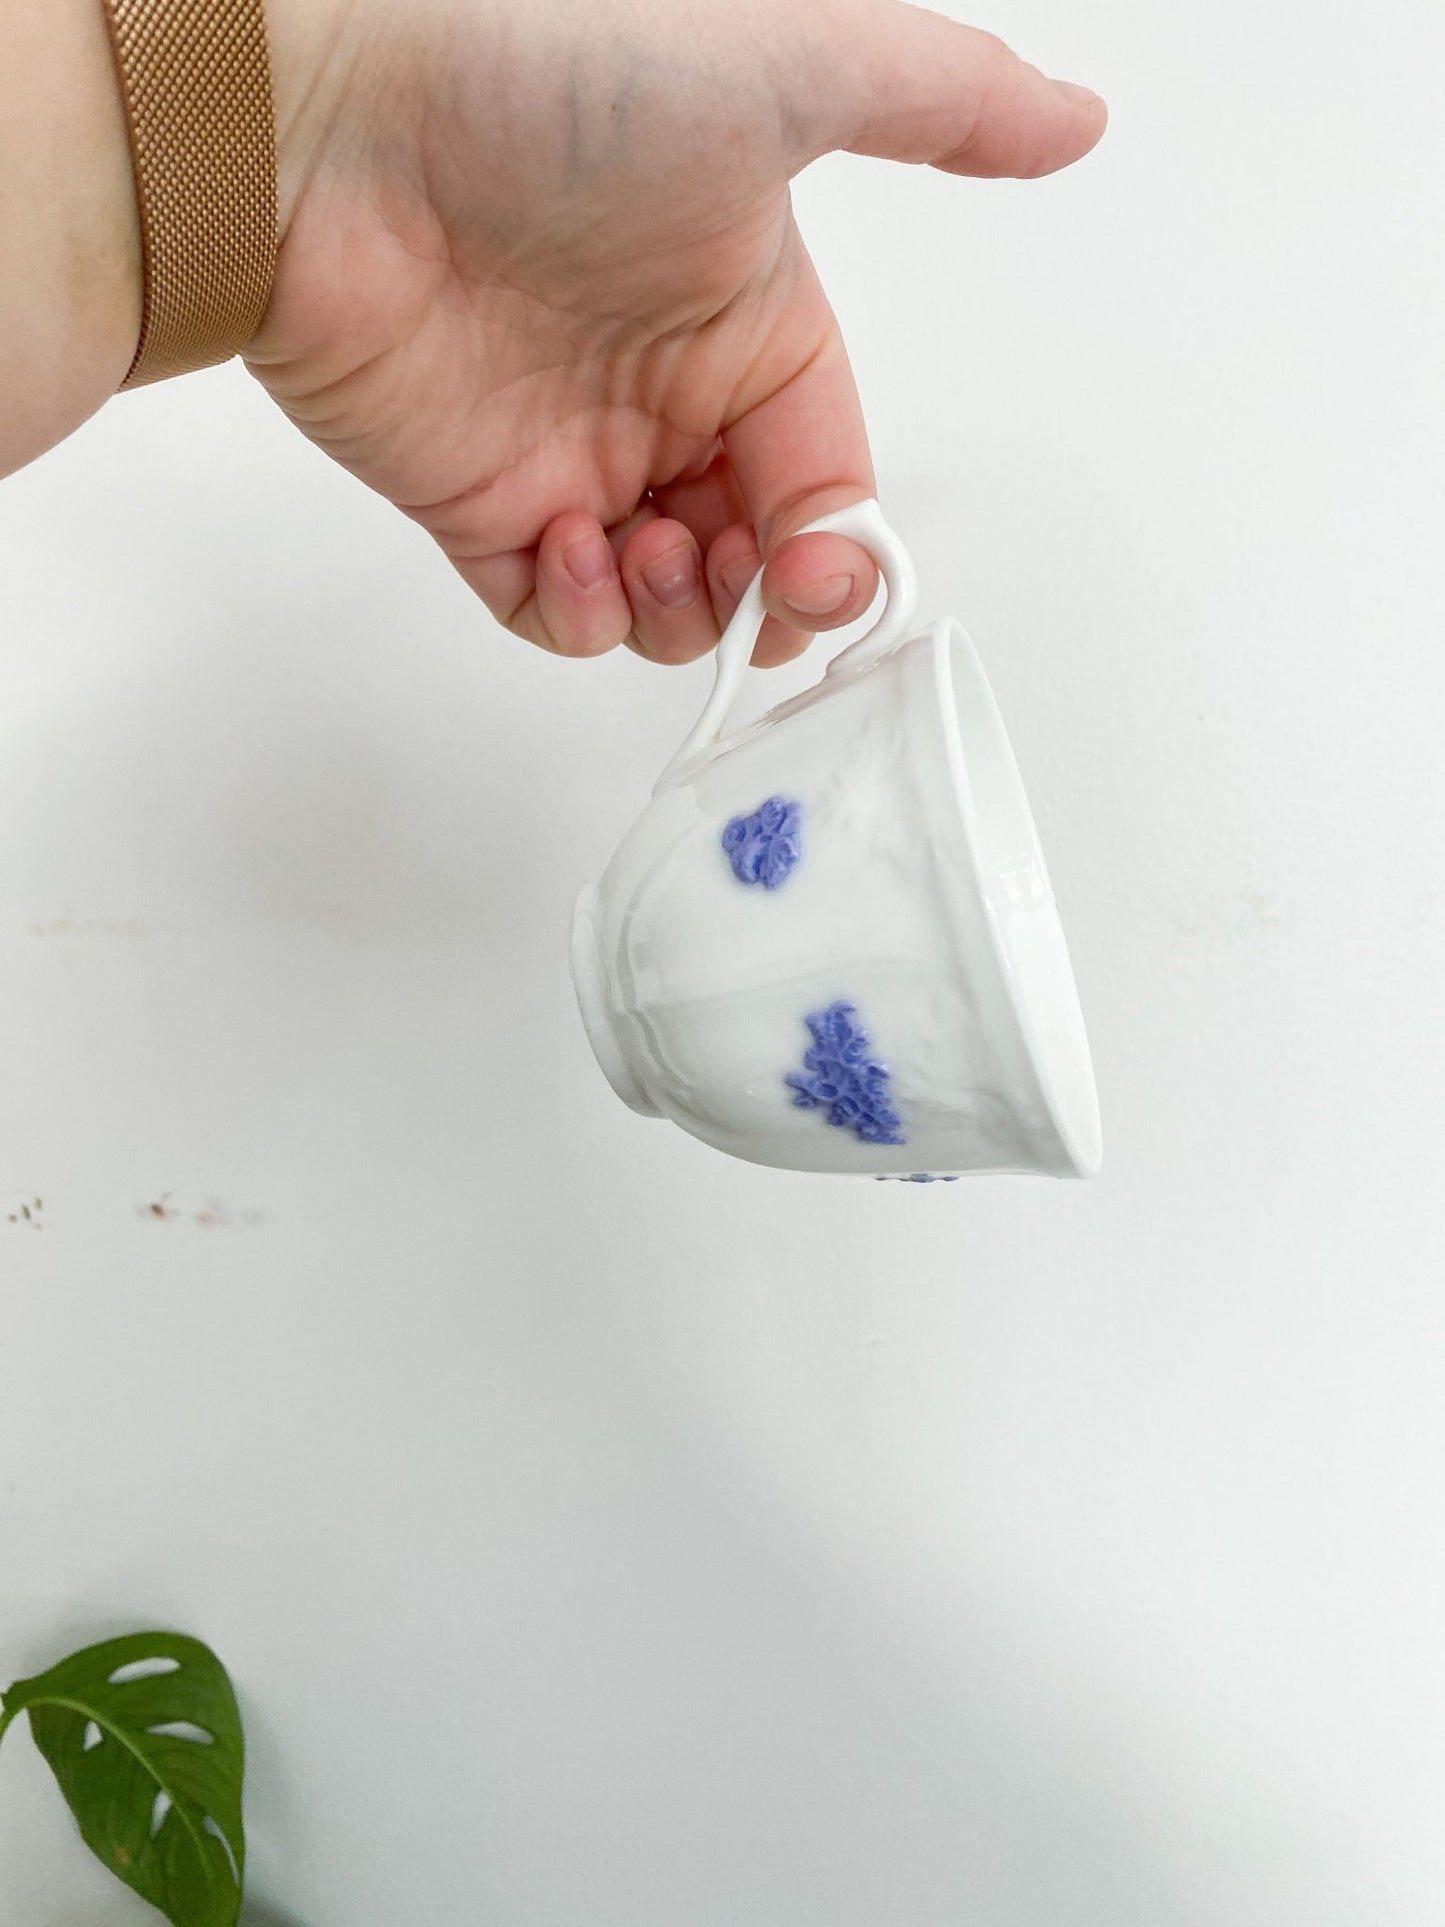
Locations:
(5, 1719)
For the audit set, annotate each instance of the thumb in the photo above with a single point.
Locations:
(922, 88)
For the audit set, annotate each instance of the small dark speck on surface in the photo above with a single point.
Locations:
(209, 1215)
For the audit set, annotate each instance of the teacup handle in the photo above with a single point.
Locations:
(862, 523)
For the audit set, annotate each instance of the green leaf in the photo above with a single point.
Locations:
(144, 1736)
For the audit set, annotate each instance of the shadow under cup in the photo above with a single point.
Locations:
(921, 905)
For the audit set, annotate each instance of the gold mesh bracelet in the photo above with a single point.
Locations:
(196, 82)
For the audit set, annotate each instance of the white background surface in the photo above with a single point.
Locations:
(605, 1535)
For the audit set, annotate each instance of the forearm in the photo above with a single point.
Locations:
(70, 277)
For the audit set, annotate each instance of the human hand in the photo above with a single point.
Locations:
(541, 286)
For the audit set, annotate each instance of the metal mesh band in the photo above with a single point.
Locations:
(197, 87)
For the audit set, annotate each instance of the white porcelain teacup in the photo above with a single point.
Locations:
(829, 943)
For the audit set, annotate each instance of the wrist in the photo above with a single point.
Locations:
(70, 245)
(313, 46)
(70, 258)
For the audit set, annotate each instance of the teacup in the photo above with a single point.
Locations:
(829, 943)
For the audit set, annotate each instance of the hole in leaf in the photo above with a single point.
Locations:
(91, 1738)
(159, 1811)
(143, 1669)
(213, 1828)
(183, 1730)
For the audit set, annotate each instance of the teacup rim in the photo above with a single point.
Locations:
(1082, 1149)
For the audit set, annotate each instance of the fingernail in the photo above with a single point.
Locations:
(823, 598)
(588, 560)
(672, 578)
(737, 576)
(1071, 91)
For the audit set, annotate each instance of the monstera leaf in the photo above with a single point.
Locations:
(144, 1736)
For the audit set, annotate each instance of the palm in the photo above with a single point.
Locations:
(599, 338)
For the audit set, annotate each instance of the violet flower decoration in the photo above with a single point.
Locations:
(765, 847)
(842, 1080)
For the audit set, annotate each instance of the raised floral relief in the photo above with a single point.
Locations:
(765, 847)
(839, 1078)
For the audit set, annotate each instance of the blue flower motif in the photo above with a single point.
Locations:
(918, 1177)
(839, 1077)
(765, 847)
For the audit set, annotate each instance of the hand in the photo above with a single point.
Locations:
(541, 286)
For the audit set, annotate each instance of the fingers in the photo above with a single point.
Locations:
(822, 581)
(799, 452)
(732, 562)
(672, 612)
(681, 604)
(587, 589)
(656, 590)
(926, 89)
(653, 589)
(815, 582)
(793, 449)
(581, 604)
(706, 502)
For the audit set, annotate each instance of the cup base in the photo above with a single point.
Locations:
(590, 982)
